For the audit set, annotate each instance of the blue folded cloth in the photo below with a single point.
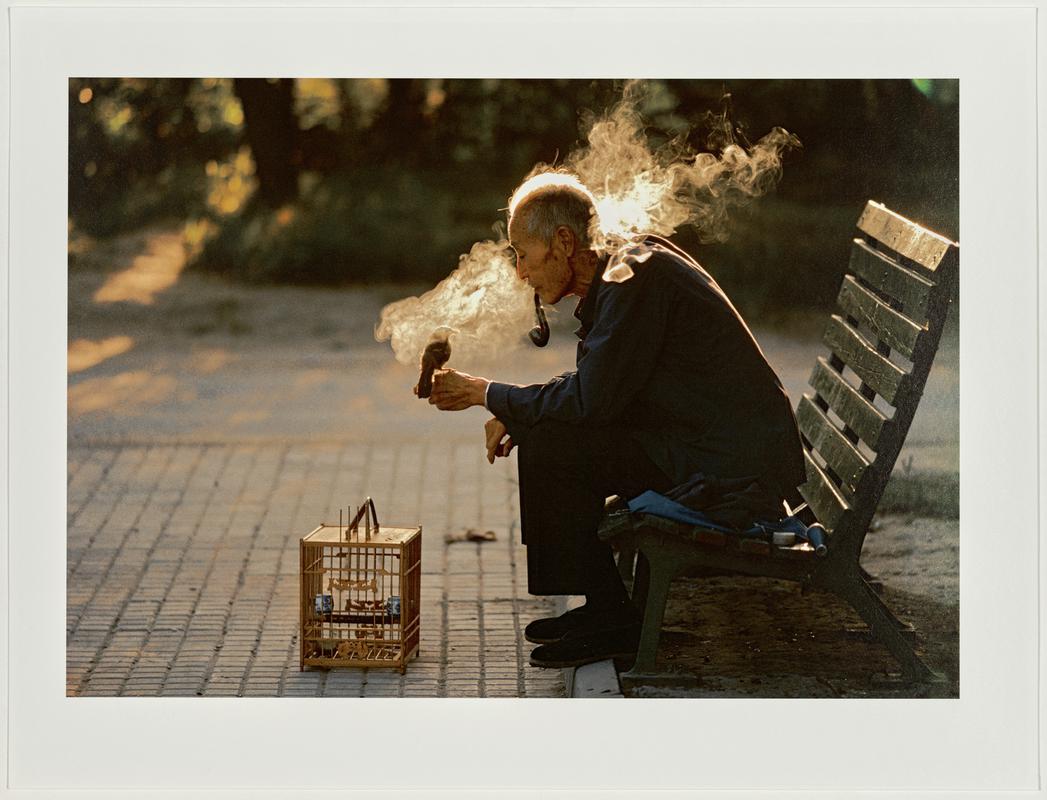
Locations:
(661, 506)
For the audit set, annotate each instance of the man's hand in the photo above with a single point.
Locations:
(455, 391)
(499, 443)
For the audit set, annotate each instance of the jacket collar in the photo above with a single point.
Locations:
(586, 308)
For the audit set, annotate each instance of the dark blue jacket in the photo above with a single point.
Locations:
(666, 356)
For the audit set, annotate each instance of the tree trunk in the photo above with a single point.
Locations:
(272, 132)
(400, 130)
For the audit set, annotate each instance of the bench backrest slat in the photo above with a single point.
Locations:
(894, 301)
(858, 414)
(895, 329)
(858, 353)
(903, 236)
(823, 497)
(840, 455)
(889, 277)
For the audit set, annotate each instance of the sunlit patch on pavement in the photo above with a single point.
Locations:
(84, 353)
(120, 394)
(360, 403)
(311, 378)
(248, 416)
(209, 361)
(149, 274)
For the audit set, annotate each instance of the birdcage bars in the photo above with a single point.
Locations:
(360, 590)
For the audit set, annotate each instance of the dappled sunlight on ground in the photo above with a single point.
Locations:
(311, 378)
(149, 274)
(359, 404)
(120, 394)
(209, 361)
(247, 416)
(84, 353)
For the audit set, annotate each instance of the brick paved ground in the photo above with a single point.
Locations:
(212, 425)
(183, 568)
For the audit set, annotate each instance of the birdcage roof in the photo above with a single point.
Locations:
(384, 535)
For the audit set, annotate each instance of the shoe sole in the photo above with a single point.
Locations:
(581, 661)
(534, 640)
(568, 634)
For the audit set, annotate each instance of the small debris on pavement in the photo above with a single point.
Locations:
(471, 535)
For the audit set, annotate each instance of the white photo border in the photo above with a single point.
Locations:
(986, 742)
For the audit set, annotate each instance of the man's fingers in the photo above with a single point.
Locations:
(501, 449)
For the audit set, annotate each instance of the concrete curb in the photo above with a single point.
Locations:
(596, 680)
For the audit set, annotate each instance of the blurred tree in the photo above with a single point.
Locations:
(376, 179)
(271, 130)
(399, 133)
(137, 148)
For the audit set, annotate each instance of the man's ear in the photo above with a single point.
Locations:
(565, 236)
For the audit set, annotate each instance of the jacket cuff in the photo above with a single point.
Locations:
(497, 402)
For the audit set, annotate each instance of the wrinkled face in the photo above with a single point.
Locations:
(544, 266)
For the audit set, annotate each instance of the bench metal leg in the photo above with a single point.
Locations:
(626, 559)
(660, 575)
(641, 580)
(887, 628)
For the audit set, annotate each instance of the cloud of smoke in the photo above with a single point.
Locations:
(487, 306)
(638, 189)
(642, 189)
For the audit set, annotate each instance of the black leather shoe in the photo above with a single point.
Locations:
(553, 629)
(577, 649)
(581, 620)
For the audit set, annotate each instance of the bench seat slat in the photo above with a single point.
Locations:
(848, 404)
(704, 539)
(822, 496)
(903, 236)
(896, 330)
(888, 276)
(839, 454)
(885, 378)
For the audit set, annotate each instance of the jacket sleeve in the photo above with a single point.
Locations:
(615, 361)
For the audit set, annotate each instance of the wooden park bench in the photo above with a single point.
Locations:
(882, 340)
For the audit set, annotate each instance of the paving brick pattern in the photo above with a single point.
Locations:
(182, 568)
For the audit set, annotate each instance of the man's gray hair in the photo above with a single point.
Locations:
(551, 199)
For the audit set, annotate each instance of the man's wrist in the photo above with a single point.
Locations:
(481, 392)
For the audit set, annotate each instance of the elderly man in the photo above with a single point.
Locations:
(669, 383)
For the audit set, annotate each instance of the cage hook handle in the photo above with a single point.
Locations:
(369, 515)
(374, 514)
(355, 524)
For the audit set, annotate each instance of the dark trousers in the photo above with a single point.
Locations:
(566, 473)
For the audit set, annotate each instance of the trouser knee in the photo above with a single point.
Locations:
(549, 445)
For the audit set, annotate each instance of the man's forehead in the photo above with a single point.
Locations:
(515, 231)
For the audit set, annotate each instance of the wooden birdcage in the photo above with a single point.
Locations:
(360, 592)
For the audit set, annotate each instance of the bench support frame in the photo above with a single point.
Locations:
(904, 280)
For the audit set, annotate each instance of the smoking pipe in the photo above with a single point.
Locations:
(435, 355)
(539, 333)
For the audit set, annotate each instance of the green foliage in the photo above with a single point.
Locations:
(137, 150)
(397, 178)
(375, 224)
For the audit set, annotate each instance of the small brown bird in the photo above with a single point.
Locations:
(435, 355)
